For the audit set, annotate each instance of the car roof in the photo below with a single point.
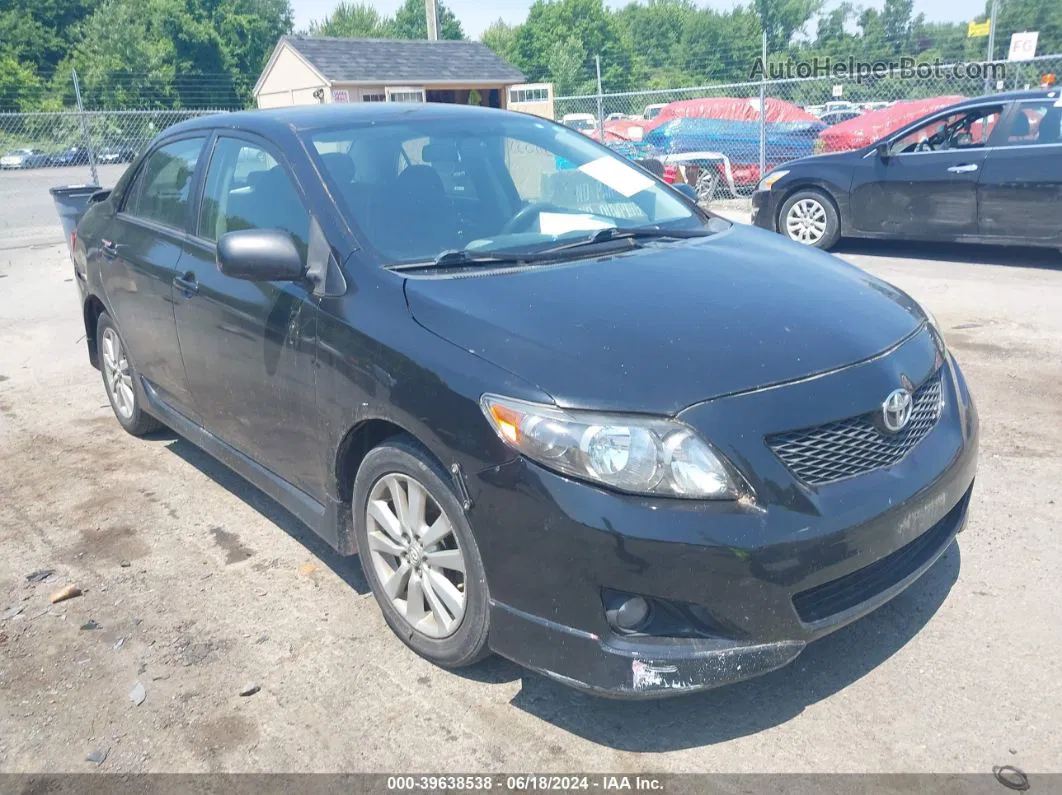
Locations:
(311, 117)
(1010, 96)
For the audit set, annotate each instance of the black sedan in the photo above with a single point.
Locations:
(74, 156)
(560, 412)
(986, 170)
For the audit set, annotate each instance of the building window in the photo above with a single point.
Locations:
(374, 96)
(528, 94)
(405, 94)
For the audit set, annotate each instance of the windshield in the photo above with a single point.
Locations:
(580, 124)
(421, 186)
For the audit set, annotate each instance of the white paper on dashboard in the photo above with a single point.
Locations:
(625, 180)
(562, 223)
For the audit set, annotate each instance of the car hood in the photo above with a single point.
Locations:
(663, 327)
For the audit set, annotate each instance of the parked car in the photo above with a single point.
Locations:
(652, 111)
(24, 158)
(985, 170)
(838, 116)
(116, 153)
(566, 416)
(583, 122)
(74, 156)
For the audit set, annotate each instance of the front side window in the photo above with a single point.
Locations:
(1037, 122)
(162, 189)
(247, 189)
(421, 186)
(967, 129)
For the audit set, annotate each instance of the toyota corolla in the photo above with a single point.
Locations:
(560, 412)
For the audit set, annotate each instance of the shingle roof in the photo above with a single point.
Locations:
(403, 61)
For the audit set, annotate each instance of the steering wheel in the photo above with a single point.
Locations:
(525, 215)
(924, 146)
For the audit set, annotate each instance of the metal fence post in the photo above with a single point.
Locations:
(992, 38)
(600, 101)
(763, 109)
(85, 130)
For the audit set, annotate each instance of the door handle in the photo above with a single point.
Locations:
(109, 248)
(965, 168)
(187, 284)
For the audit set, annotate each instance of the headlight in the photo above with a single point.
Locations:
(650, 456)
(767, 182)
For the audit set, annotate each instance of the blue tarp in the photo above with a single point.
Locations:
(738, 140)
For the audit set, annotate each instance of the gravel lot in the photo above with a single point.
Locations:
(196, 585)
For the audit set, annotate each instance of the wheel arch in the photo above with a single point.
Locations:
(365, 435)
(91, 311)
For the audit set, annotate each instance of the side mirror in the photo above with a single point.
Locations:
(882, 149)
(687, 190)
(260, 255)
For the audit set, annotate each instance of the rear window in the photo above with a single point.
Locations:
(163, 186)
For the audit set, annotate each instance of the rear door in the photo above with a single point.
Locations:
(249, 347)
(1021, 186)
(926, 187)
(140, 251)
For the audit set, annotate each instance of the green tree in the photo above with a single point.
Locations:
(782, 18)
(20, 88)
(832, 26)
(567, 35)
(352, 21)
(249, 30)
(501, 38)
(411, 23)
(896, 25)
(40, 32)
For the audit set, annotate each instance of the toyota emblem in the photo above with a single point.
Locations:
(896, 410)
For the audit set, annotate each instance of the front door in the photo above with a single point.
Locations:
(1021, 186)
(925, 185)
(249, 346)
(140, 252)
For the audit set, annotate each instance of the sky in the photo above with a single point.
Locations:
(475, 15)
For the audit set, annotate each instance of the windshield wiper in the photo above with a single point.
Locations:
(457, 258)
(631, 233)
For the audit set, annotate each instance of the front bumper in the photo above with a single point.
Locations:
(765, 209)
(771, 574)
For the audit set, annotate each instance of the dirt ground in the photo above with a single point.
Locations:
(197, 586)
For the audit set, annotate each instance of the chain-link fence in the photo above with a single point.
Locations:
(87, 140)
(722, 138)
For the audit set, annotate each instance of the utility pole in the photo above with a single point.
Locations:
(763, 108)
(431, 14)
(600, 101)
(992, 37)
(85, 129)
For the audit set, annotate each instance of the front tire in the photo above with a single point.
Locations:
(810, 218)
(120, 378)
(419, 556)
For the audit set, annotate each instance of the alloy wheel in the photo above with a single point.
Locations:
(116, 374)
(806, 221)
(416, 555)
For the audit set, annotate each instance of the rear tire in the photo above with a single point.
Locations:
(120, 379)
(810, 218)
(419, 555)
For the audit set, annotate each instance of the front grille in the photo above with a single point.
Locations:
(836, 596)
(846, 448)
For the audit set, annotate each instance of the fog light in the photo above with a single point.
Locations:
(630, 615)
